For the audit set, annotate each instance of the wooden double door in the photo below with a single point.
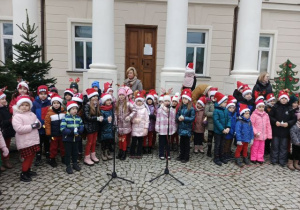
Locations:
(141, 53)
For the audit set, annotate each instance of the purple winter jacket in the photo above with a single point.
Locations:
(152, 117)
(123, 125)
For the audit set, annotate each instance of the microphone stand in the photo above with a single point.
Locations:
(167, 172)
(114, 173)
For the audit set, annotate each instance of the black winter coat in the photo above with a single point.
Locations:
(238, 95)
(282, 113)
(5, 123)
(91, 124)
(262, 89)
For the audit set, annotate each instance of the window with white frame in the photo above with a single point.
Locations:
(196, 50)
(82, 46)
(265, 53)
(6, 35)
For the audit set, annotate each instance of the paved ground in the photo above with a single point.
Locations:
(207, 186)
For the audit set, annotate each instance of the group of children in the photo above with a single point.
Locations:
(57, 124)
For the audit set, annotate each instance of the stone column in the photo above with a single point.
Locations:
(175, 47)
(247, 44)
(102, 68)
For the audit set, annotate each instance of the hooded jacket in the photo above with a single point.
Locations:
(52, 122)
(185, 126)
(261, 124)
(140, 122)
(162, 122)
(124, 127)
(40, 108)
(221, 119)
(244, 130)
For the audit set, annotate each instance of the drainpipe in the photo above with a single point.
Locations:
(43, 28)
(235, 22)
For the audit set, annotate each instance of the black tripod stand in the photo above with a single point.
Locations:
(166, 172)
(114, 173)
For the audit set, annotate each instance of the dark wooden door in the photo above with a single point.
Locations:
(144, 61)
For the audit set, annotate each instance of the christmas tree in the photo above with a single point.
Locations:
(27, 63)
(286, 79)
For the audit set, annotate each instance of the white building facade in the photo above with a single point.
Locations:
(227, 40)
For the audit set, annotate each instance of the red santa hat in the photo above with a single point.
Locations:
(167, 98)
(105, 97)
(244, 108)
(71, 104)
(176, 97)
(220, 98)
(270, 97)
(259, 103)
(239, 85)
(259, 98)
(78, 98)
(23, 84)
(107, 87)
(230, 103)
(187, 93)
(56, 97)
(2, 94)
(23, 99)
(154, 93)
(42, 88)
(150, 96)
(202, 101)
(91, 92)
(232, 99)
(140, 96)
(69, 91)
(190, 67)
(283, 94)
(246, 90)
(213, 91)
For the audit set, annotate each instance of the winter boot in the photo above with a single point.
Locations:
(108, 155)
(123, 155)
(94, 158)
(209, 151)
(246, 161)
(296, 165)
(201, 149)
(103, 156)
(291, 165)
(88, 161)
(69, 169)
(196, 149)
(76, 167)
(119, 154)
(7, 164)
(224, 160)
(38, 160)
(53, 162)
(24, 177)
(47, 157)
(31, 173)
(238, 162)
(217, 161)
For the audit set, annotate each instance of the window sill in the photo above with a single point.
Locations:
(75, 72)
(203, 78)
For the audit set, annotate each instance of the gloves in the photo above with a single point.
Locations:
(75, 130)
(5, 151)
(251, 142)
(100, 119)
(145, 132)
(127, 119)
(239, 143)
(35, 125)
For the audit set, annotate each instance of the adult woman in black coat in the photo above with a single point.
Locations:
(263, 86)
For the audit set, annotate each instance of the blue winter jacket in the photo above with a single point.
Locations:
(221, 119)
(40, 109)
(233, 118)
(106, 127)
(68, 125)
(185, 126)
(244, 130)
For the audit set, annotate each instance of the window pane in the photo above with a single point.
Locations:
(8, 54)
(79, 59)
(264, 61)
(189, 55)
(83, 31)
(200, 60)
(88, 54)
(264, 41)
(7, 28)
(196, 37)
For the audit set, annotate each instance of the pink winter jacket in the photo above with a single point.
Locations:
(140, 122)
(124, 126)
(261, 124)
(26, 136)
(198, 123)
(161, 124)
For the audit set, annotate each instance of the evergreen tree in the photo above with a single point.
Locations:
(286, 79)
(27, 63)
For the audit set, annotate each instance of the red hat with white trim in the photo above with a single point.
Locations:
(154, 93)
(231, 98)
(69, 91)
(140, 96)
(220, 98)
(244, 108)
(239, 85)
(213, 91)
(71, 104)
(246, 90)
(42, 88)
(270, 97)
(105, 97)
(78, 98)
(23, 99)
(2, 94)
(150, 96)
(202, 101)
(259, 103)
(107, 87)
(283, 94)
(23, 84)
(56, 97)
(190, 67)
(230, 103)
(176, 97)
(259, 98)
(91, 92)
(187, 93)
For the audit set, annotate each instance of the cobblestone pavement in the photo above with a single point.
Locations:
(207, 186)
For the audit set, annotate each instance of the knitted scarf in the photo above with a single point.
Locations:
(130, 82)
(106, 108)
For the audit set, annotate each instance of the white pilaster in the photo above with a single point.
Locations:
(247, 44)
(175, 48)
(102, 68)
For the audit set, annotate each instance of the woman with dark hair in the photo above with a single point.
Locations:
(263, 86)
(132, 81)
